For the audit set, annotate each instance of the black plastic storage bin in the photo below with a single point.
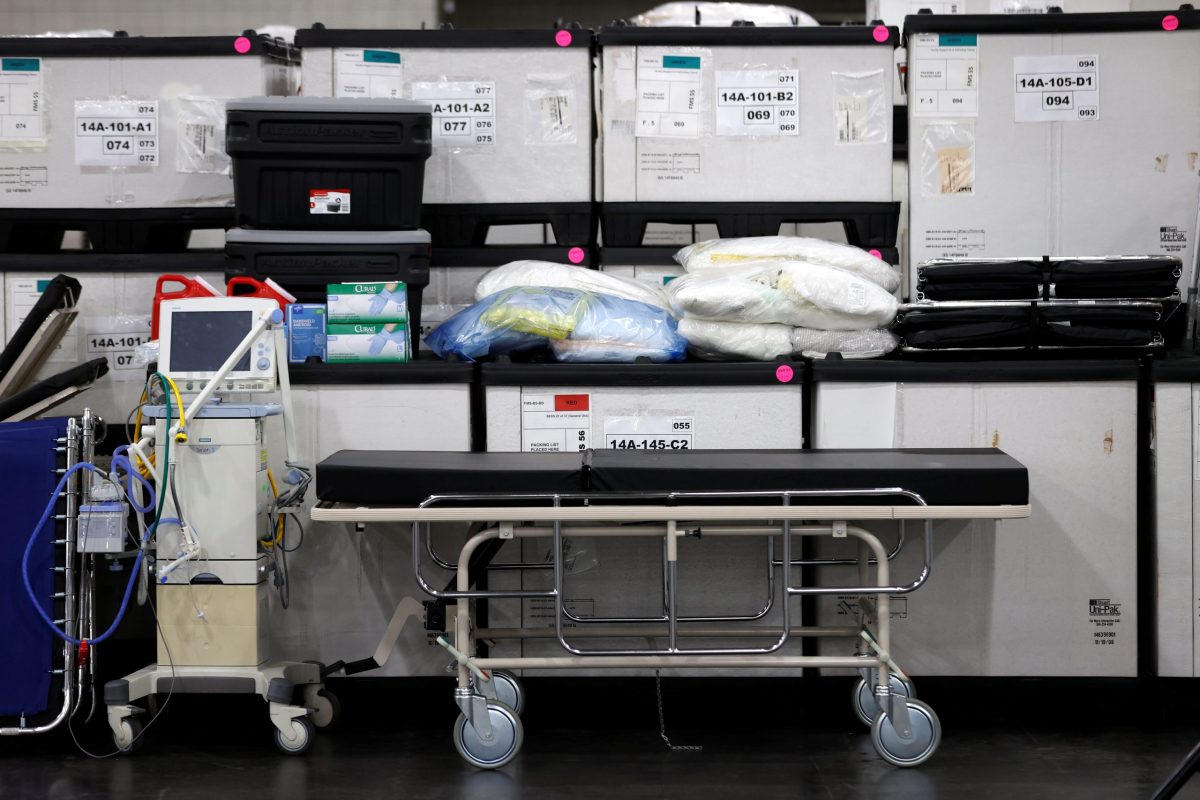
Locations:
(328, 163)
(306, 262)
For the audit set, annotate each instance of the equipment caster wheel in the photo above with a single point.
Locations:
(863, 698)
(325, 707)
(506, 742)
(509, 690)
(129, 739)
(917, 749)
(302, 733)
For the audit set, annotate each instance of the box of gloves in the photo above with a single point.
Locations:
(366, 343)
(367, 302)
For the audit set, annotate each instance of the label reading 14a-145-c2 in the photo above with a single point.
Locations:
(116, 133)
(1057, 88)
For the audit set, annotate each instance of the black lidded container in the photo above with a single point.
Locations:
(306, 262)
(328, 163)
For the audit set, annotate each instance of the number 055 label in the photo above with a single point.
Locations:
(1057, 88)
(116, 133)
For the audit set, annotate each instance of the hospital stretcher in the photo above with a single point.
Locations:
(777, 495)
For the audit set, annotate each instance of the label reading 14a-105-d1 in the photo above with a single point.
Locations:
(116, 133)
(1057, 88)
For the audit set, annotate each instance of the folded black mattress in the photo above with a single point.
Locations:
(406, 478)
(1012, 279)
(983, 476)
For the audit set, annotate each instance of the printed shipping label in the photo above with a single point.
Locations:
(21, 99)
(367, 73)
(944, 75)
(1057, 88)
(118, 345)
(668, 95)
(758, 103)
(23, 180)
(329, 201)
(555, 423)
(557, 122)
(955, 175)
(116, 133)
(649, 433)
(949, 243)
(464, 112)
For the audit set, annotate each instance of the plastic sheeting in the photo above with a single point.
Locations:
(722, 253)
(562, 276)
(722, 15)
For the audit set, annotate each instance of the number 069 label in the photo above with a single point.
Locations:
(116, 133)
(758, 103)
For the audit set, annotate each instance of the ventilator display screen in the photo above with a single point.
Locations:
(202, 340)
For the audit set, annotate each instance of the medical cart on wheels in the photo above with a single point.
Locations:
(676, 496)
(220, 528)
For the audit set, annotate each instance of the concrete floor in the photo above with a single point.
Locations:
(599, 739)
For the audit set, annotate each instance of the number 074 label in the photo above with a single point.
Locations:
(116, 133)
(1057, 88)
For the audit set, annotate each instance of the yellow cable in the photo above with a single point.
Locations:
(181, 436)
(279, 520)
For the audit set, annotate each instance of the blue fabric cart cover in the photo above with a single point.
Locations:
(28, 462)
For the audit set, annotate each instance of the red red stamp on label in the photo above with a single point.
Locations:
(571, 402)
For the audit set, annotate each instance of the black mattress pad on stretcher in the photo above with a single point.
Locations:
(942, 477)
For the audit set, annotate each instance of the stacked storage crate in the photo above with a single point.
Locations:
(742, 130)
(1029, 134)
(512, 160)
(119, 139)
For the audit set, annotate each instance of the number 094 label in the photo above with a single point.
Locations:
(1057, 88)
(116, 133)
(758, 103)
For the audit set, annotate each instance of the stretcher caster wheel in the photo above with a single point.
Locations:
(507, 736)
(917, 748)
(130, 736)
(302, 736)
(324, 707)
(509, 690)
(863, 698)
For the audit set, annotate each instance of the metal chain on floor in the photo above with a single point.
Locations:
(662, 724)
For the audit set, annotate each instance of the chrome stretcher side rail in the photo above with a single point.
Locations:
(488, 734)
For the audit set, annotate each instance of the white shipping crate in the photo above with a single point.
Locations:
(1051, 595)
(344, 584)
(114, 306)
(746, 114)
(512, 108)
(1175, 439)
(126, 122)
(642, 406)
(1037, 135)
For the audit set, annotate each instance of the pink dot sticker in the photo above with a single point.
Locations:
(881, 33)
(876, 253)
(563, 38)
(1170, 22)
(241, 44)
(575, 255)
(784, 373)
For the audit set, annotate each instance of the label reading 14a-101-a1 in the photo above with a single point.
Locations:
(1057, 88)
(116, 133)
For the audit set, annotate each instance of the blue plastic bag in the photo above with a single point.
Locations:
(577, 326)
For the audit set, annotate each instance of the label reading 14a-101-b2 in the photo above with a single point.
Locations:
(116, 133)
(1057, 88)
(758, 102)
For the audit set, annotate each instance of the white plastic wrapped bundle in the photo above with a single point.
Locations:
(851, 344)
(563, 276)
(670, 15)
(787, 293)
(721, 254)
(736, 340)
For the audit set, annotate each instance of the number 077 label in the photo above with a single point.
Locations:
(116, 133)
(464, 112)
(1057, 88)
